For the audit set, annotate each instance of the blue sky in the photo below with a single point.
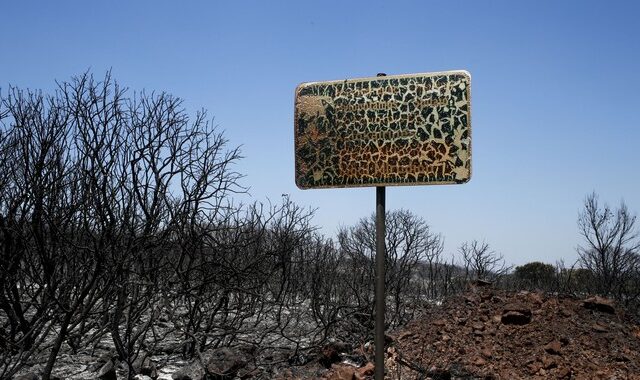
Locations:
(554, 94)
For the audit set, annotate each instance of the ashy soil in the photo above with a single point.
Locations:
(484, 333)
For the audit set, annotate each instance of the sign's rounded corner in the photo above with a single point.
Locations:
(467, 179)
(300, 86)
(466, 73)
(301, 186)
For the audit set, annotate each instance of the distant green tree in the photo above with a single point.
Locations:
(536, 275)
(583, 280)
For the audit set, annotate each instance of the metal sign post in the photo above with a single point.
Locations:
(392, 130)
(380, 291)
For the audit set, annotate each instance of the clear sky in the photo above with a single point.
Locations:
(555, 100)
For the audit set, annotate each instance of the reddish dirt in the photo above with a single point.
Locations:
(493, 334)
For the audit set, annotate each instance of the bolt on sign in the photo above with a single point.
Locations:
(394, 130)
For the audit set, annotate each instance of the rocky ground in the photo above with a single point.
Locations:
(483, 334)
(492, 334)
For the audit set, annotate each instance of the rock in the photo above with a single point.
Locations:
(534, 368)
(193, 371)
(479, 361)
(482, 283)
(599, 328)
(554, 348)
(356, 357)
(440, 374)
(471, 300)
(224, 363)
(27, 376)
(249, 372)
(102, 360)
(329, 356)
(388, 339)
(517, 307)
(564, 373)
(486, 296)
(142, 377)
(549, 362)
(439, 322)
(367, 370)
(405, 335)
(507, 374)
(343, 347)
(342, 372)
(108, 371)
(479, 326)
(455, 371)
(622, 358)
(536, 298)
(514, 314)
(566, 313)
(181, 374)
(604, 305)
(144, 366)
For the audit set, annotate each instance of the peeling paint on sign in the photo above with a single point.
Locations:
(393, 130)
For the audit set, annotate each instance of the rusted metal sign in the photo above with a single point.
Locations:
(393, 130)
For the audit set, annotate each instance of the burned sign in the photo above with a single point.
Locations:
(392, 130)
